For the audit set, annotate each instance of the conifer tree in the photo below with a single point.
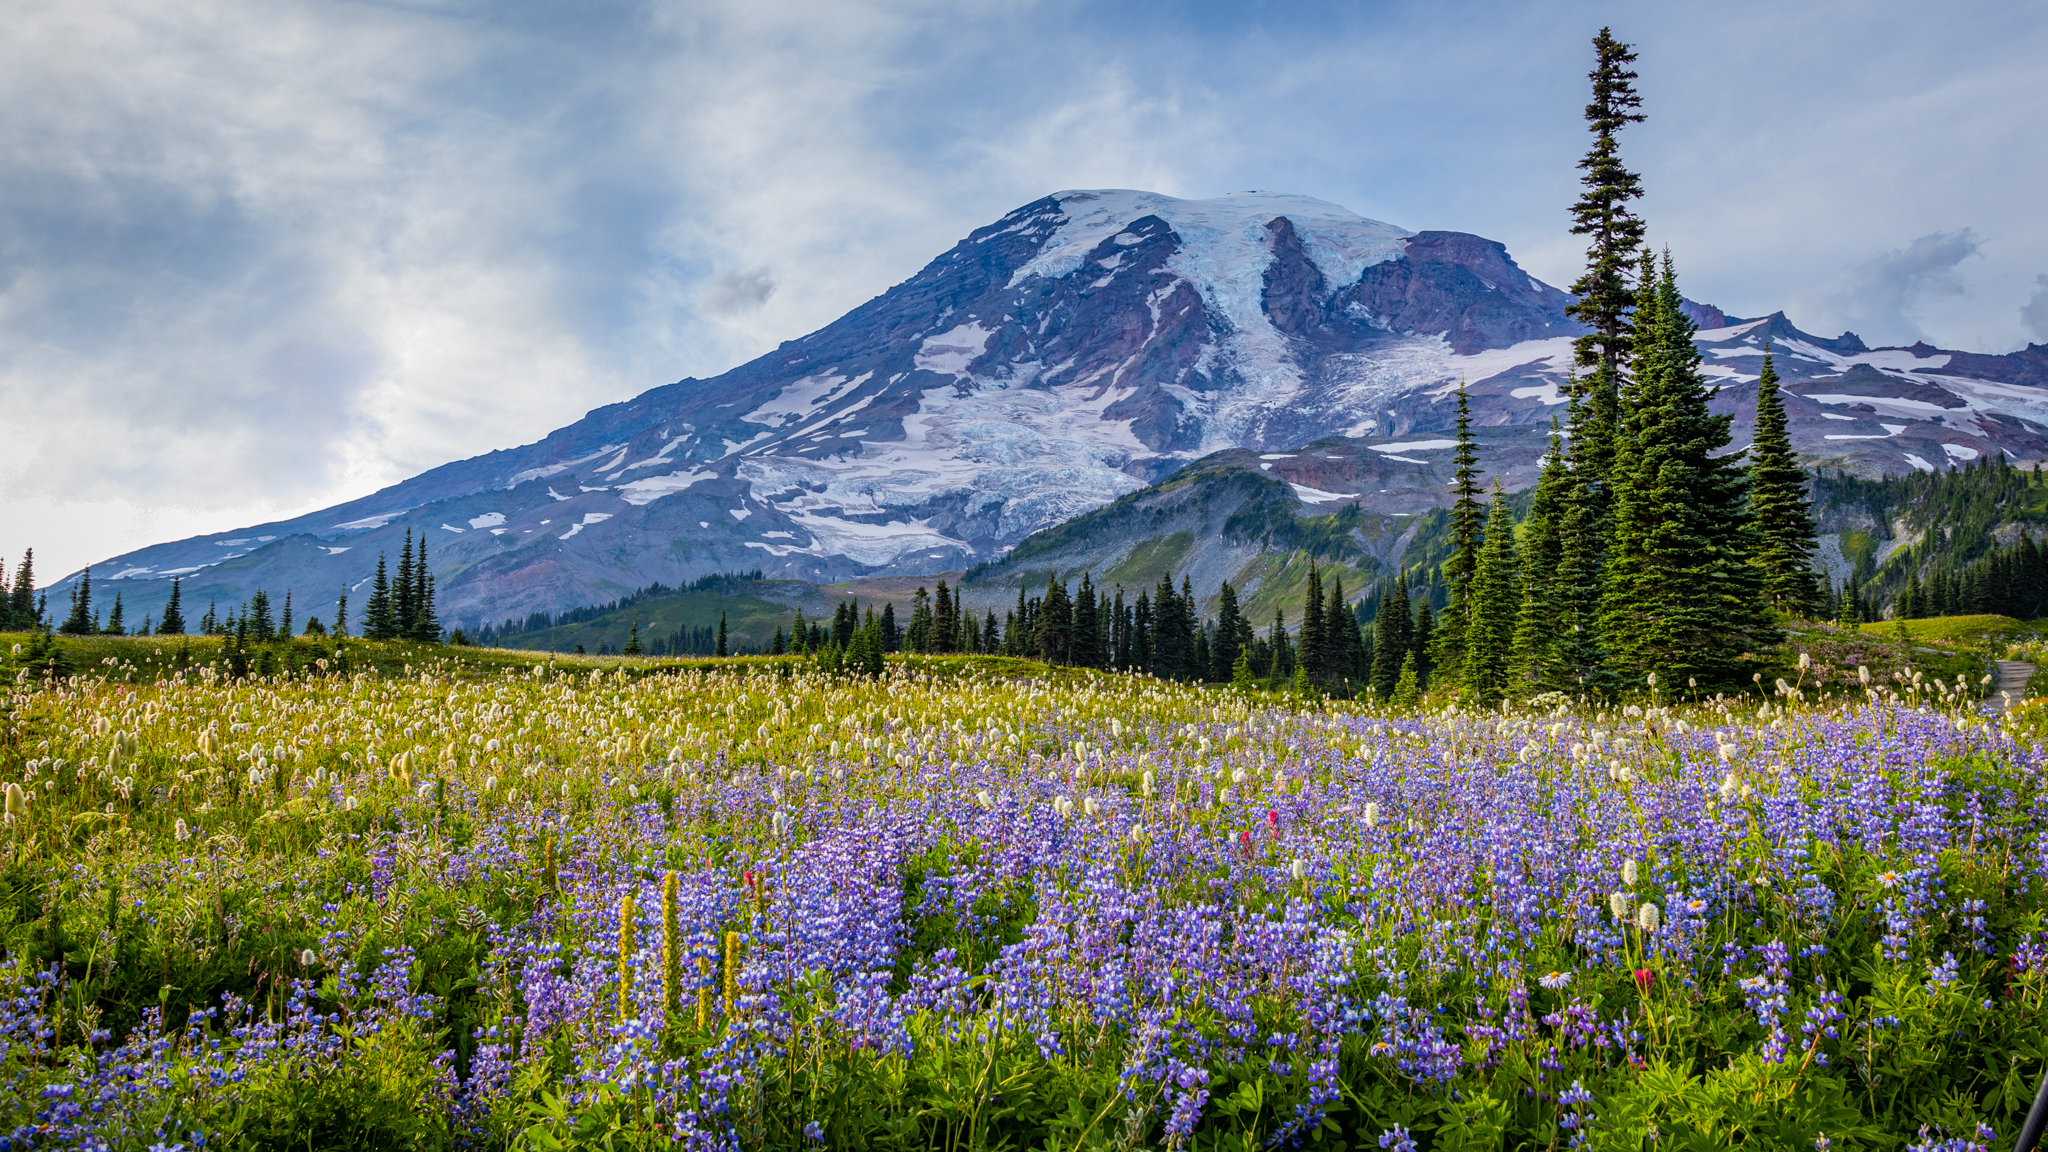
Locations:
(404, 609)
(1231, 634)
(1778, 509)
(284, 620)
(341, 613)
(891, 640)
(1392, 636)
(1425, 629)
(942, 620)
(1407, 689)
(1496, 595)
(799, 634)
(21, 599)
(632, 647)
(173, 622)
(1531, 663)
(1315, 646)
(79, 622)
(1087, 637)
(115, 625)
(1681, 597)
(721, 650)
(1467, 515)
(1282, 665)
(258, 613)
(426, 625)
(1055, 622)
(380, 621)
(1605, 303)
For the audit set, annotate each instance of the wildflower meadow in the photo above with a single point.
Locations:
(980, 903)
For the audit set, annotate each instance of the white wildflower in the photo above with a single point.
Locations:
(1648, 917)
(1617, 903)
(1628, 872)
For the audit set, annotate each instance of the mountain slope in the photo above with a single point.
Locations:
(1074, 351)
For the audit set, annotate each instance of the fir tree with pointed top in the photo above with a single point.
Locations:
(1231, 634)
(721, 650)
(21, 599)
(258, 614)
(1605, 298)
(341, 614)
(1531, 662)
(632, 647)
(380, 621)
(284, 620)
(173, 622)
(1392, 636)
(426, 625)
(403, 607)
(1425, 629)
(1781, 517)
(1087, 636)
(116, 626)
(1315, 644)
(1467, 516)
(79, 622)
(1681, 596)
(1496, 596)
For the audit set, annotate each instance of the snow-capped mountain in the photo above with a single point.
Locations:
(1077, 349)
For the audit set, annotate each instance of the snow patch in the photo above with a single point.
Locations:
(653, 488)
(377, 521)
(336, 551)
(454, 529)
(739, 513)
(949, 353)
(1318, 496)
(487, 520)
(556, 495)
(1917, 462)
(1415, 446)
(1960, 452)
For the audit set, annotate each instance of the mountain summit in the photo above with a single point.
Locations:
(1080, 348)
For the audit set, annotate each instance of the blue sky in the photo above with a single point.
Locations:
(257, 255)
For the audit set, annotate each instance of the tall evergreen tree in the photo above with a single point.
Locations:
(21, 599)
(79, 622)
(1496, 595)
(1602, 213)
(116, 626)
(1231, 634)
(284, 619)
(632, 647)
(1392, 637)
(341, 613)
(261, 626)
(942, 620)
(891, 640)
(1425, 629)
(173, 622)
(404, 607)
(1681, 597)
(1778, 508)
(1532, 664)
(1467, 514)
(1087, 638)
(1342, 632)
(426, 624)
(722, 649)
(1055, 622)
(1315, 644)
(380, 620)
(1283, 651)
(1605, 304)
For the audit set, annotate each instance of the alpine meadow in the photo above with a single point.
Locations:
(995, 721)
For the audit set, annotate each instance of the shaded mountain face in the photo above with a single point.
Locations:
(1077, 350)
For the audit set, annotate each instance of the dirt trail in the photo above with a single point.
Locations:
(2011, 687)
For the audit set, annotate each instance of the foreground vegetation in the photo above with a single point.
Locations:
(413, 897)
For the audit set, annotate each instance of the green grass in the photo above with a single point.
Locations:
(1959, 630)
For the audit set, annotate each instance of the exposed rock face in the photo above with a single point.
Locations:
(1076, 350)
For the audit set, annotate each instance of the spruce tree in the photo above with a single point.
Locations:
(173, 622)
(79, 622)
(1605, 303)
(1781, 517)
(1425, 629)
(1315, 646)
(404, 608)
(1391, 636)
(942, 620)
(891, 640)
(284, 619)
(116, 626)
(1087, 637)
(1496, 595)
(425, 625)
(1231, 634)
(721, 650)
(341, 613)
(632, 647)
(1532, 665)
(260, 624)
(21, 599)
(1055, 622)
(380, 622)
(1681, 596)
(1467, 515)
